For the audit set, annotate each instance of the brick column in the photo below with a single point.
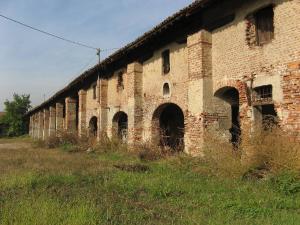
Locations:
(59, 120)
(40, 125)
(46, 124)
(102, 125)
(52, 121)
(199, 90)
(135, 102)
(34, 126)
(31, 126)
(82, 113)
(70, 120)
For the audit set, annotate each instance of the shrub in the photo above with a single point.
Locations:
(271, 149)
(259, 154)
(149, 152)
(67, 141)
(110, 145)
(221, 157)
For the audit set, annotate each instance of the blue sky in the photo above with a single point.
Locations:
(35, 64)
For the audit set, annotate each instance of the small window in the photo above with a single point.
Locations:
(263, 94)
(120, 82)
(166, 61)
(94, 91)
(166, 89)
(264, 19)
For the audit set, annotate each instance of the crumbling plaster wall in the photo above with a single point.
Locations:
(117, 99)
(154, 79)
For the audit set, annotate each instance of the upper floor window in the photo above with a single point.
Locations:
(166, 61)
(260, 27)
(94, 91)
(264, 25)
(120, 81)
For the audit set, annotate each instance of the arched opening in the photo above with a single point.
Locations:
(229, 112)
(93, 127)
(168, 127)
(120, 126)
(166, 89)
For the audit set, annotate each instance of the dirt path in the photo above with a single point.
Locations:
(14, 145)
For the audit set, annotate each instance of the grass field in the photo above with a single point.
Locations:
(40, 186)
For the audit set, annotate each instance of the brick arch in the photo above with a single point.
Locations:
(237, 84)
(167, 126)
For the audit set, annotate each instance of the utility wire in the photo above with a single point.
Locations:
(55, 36)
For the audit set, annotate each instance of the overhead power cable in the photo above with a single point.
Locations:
(54, 35)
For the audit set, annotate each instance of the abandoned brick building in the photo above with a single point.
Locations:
(222, 64)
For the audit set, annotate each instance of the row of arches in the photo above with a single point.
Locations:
(167, 125)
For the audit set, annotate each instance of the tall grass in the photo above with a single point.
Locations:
(115, 185)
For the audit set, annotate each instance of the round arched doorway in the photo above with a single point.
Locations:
(168, 127)
(120, 126)
(93, 127)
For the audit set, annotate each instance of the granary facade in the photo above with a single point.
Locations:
(223, 65)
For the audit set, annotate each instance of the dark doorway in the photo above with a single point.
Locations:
(120, 126)
(170, 120)
(93, 127)
(231, 111)
(269, 118)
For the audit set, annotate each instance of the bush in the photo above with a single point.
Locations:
(68, 142)
(110, 145)
(271, 149)
(222, 158)
(259, 154)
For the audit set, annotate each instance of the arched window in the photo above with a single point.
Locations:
(166, 89)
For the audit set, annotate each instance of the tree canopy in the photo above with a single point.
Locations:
(14, 117)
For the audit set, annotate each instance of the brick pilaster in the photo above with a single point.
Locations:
(103, 121)
(135, 102)
(40, 125)
(59, 120)
(199, 89)
(31, 126)
(82, 126)
(70, 120)
(46, 124)
(52, 121)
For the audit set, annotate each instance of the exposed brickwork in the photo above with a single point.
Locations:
(199, 70)
(70, 120)
(52, 122)
(103, 109)
(59, 117)
(46, 124)
(40, 125)
(291, 99)
(82, 126)
(251, 31)
(227, 57)
(135, 103)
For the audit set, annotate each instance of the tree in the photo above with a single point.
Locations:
(15, 112)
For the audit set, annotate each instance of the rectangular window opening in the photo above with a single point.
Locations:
(120, 81)
(263, 95)
(264, 19)
(94, 91)
(166, 61)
